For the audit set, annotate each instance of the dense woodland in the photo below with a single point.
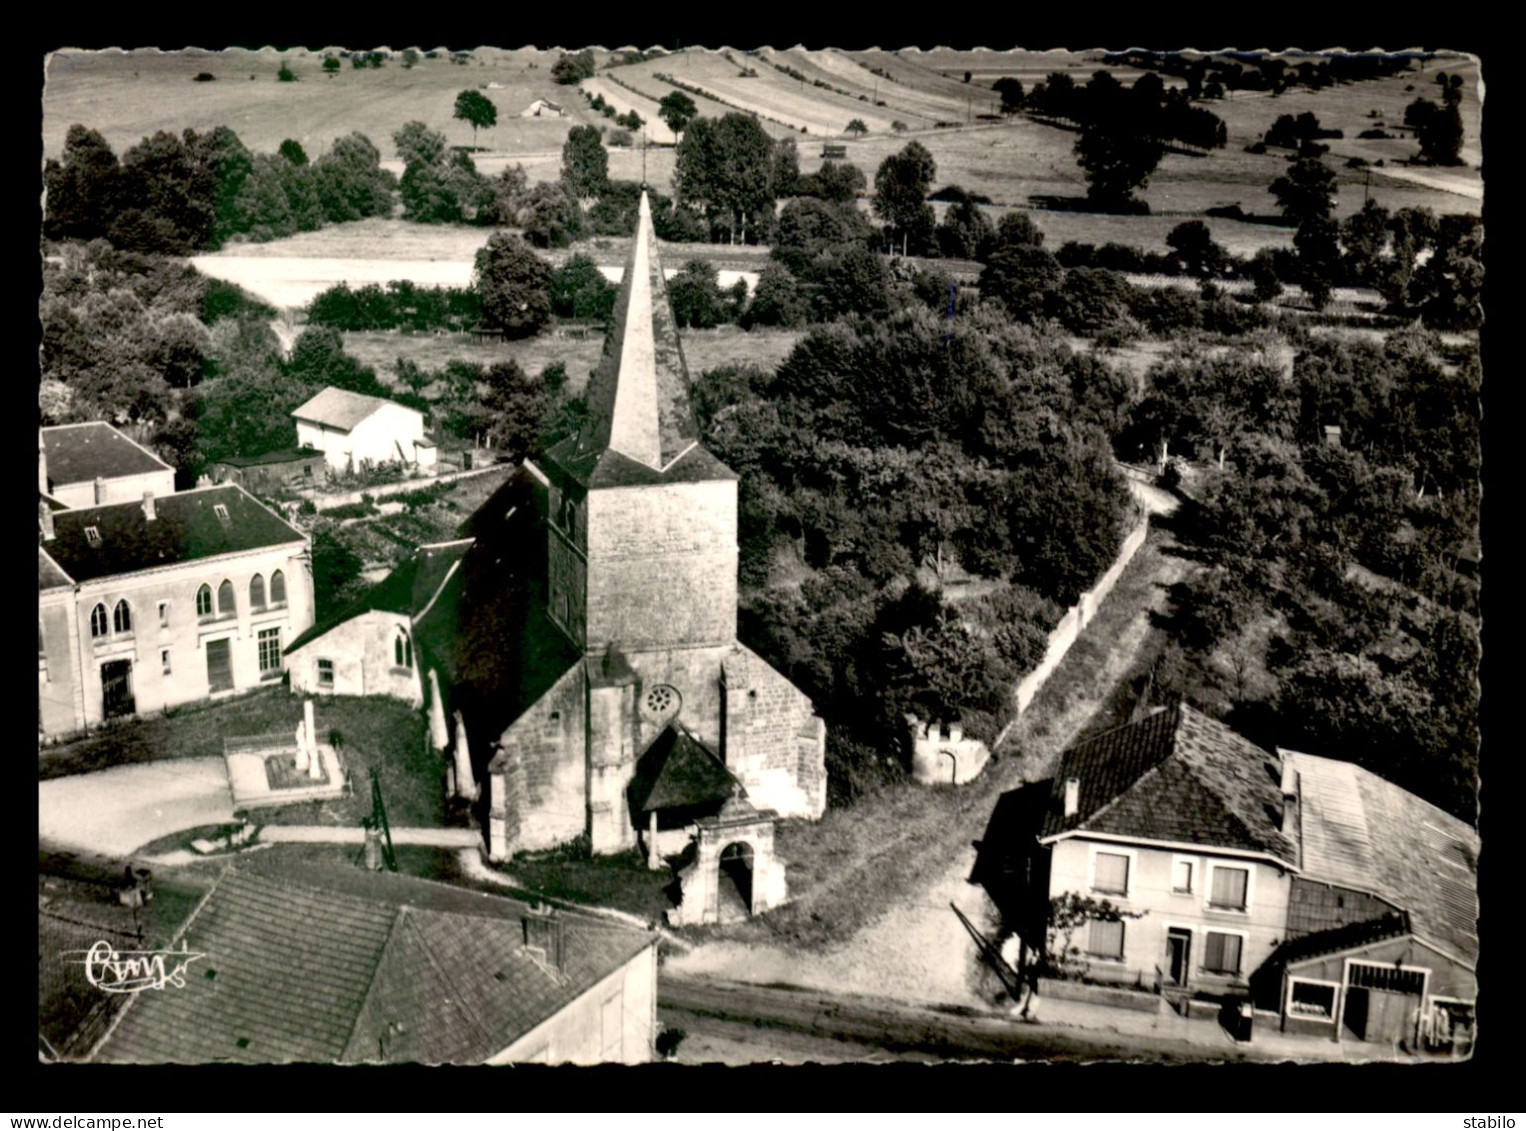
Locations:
(928, 479)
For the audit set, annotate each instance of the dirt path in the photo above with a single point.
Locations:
(882, 874)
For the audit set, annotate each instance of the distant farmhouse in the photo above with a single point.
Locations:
(324, 966)
(1337, 902)
(84, 465)
(163, 600)
(542, 108)
(582, 638)
(353, 431)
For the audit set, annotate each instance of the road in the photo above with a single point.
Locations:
(743, 1023)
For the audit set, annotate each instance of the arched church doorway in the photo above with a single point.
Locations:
(734, 883)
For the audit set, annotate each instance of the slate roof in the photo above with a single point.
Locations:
(186, 528)
(1174, 776)
(82, 453)
(49, 576)
(638, 400)
(409, 589)
(1352, 936)
(1359, 831)
(340, 408)
(322, 965)
(677, 771)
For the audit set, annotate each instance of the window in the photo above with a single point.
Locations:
(121, 617)
(225, 605)
(93, 535)
(278, 588)
(221, 512)
(98, 622)
(164, 614)
(164, 660)
(402, 650)
(1222, 953)
(204, 601)
(257, 592)
(326, 674)
(1111, 874)
(1105, 940)
(1311, 999)
(1181, 876)
(1230, 886)
(270, 650)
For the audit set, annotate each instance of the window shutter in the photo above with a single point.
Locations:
(1106, 939)
(1229, 887)
(1112, 872)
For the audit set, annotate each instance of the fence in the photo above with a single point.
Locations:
(328, 502)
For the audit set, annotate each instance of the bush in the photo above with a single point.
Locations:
(286, 74)
(205, 76)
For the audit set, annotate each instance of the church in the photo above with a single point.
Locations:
(581, 636)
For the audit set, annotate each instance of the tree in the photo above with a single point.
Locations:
(293, 152)
(1439, 128)
(965, 231)
(551, 215)
(331, 65)
(580, 290)
(723, 167)
(350, 182)
(1194, 246)
(417, 144)
(1319, 258)
(1021, 278)
(1364, 237)
(1263, 273)
(83, 188)
(318, 360)
(515, 407)
(695, 295)
(514, 284)
(585, 162)
(1011, 92)
(286, 74)
(837, 182)
(901, 185)
(1306, 191)
(1118, 148)
(571, 69)
(777, 300)
(857, 127)
(477, 109)
(677, 110)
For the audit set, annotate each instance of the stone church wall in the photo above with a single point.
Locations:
(774, 741)
(546, 785)
(662, 564)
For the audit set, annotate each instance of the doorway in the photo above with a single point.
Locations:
(734, 882)
(219, 665)
(1178, 955)
(116, 689)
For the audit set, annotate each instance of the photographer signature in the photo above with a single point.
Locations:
(115, 971)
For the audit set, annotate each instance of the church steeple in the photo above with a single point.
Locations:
(638, 400)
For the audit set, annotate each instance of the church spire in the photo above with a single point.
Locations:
(638, 400)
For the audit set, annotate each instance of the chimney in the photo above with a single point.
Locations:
(546, 932)
(42, 465)
(1290, 790)
(1072, 796)
(148, 506)
(100, 490)
(45, 520)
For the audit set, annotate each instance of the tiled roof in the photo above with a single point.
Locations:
(326, 965)
(677, 771)
(82, 453)
(340, 408)
(1178, 776)
(1362, 832)
(186, 528)
(1352, 936)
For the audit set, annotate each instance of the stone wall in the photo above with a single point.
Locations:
(364, 660)
(1077, 617)
(539, 774)
(662, 566)
(941, 754)
(774, 742)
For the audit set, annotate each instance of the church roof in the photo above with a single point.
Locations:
(638, 400)
(679, 770)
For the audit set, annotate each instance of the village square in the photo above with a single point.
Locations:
(732, 556)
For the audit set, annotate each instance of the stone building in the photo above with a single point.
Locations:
(150, 604)
(583, 631)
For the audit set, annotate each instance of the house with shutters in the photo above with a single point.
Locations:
(314, 965)
(1337, 902)
(354, 431)
(161, 601)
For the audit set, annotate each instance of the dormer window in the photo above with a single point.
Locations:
(222, 513)
(93, 536)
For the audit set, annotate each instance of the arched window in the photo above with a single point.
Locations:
(402, 650)
(225, 605)
(98, 622)
(204, 601)
(278, 588)
(121, 617)
(257, 592)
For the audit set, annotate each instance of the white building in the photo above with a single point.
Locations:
(353, 431)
